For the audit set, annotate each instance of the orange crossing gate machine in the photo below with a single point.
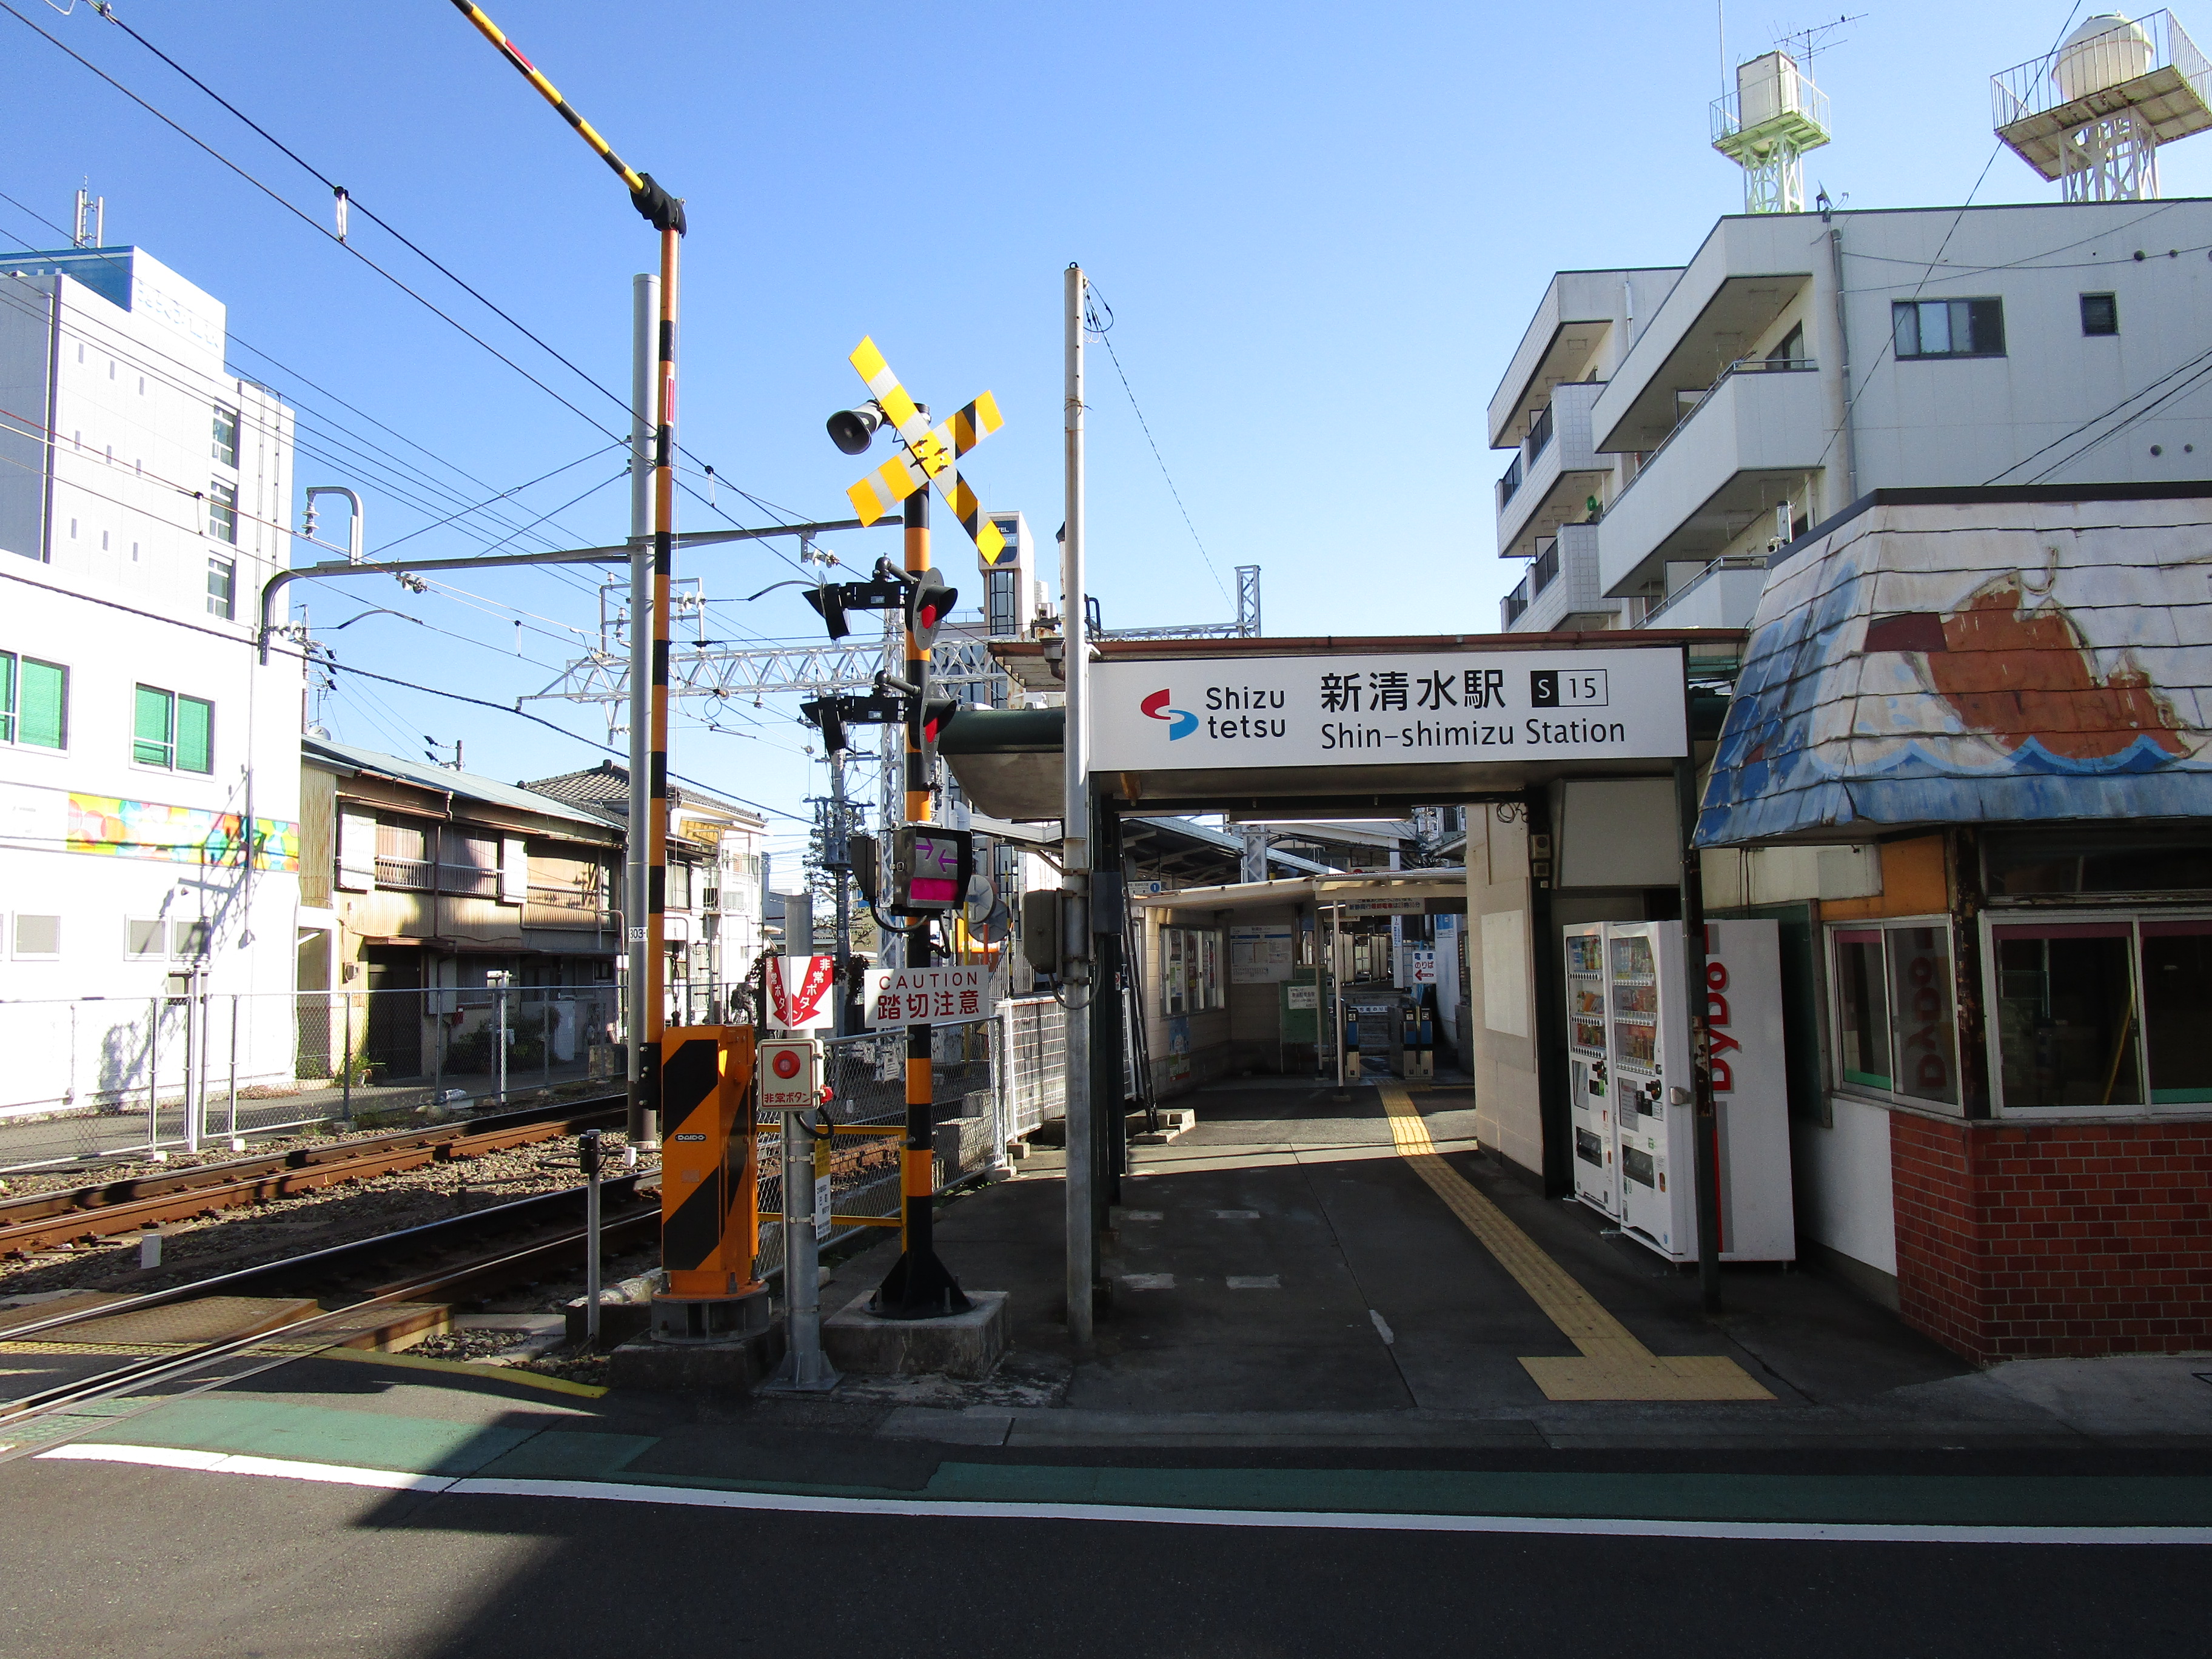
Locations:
(709, 1179)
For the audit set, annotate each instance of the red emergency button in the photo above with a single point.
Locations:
(786, 1063)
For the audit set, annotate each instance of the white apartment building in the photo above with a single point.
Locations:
(1799, 362)
(149, 771)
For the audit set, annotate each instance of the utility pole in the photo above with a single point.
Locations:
(666, 214)
(1075, 851)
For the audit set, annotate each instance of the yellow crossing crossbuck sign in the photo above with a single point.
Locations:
(929, 453)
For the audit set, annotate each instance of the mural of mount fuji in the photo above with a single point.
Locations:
(1976, 662)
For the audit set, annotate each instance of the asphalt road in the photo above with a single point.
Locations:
(115, 1560)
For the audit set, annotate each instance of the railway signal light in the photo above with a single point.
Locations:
(928, 603)
(825, 714)
(936, 714)
(828, 602)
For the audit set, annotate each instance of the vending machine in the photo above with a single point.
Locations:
(1589, 1107)
(1643, 1082)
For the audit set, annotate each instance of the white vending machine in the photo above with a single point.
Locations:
(1642, 1086)
(1590, 1108)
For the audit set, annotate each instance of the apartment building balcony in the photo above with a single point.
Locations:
(1561, 589)
(1553, 474)
(1721, 595)
(1748, 443)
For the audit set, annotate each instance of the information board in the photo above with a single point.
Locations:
(1258, 956)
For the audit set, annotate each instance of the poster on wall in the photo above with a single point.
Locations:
(1259, 956)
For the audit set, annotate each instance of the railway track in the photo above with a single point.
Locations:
(39, 1221)
(525, 1239)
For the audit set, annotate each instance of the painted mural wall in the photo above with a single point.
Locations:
(1976, 663)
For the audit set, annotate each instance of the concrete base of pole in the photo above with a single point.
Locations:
(966, 1345)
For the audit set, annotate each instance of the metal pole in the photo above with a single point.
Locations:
(840, 865)
(645, 317)
(232, 1136)
(195, 1060)
(806, 1368)
(1075, 832)
(345, 1064)
(153, 1083)
(663, 568)
(588, 1152)
(1336, 993)
(1705, 1122)
(918, 1285)
(499, 1044)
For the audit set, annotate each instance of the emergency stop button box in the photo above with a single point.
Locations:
(790, 1072)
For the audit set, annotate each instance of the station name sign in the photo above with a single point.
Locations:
(1444, 708)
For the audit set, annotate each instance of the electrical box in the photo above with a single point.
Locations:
(1041, 913)
(1631, 1084)
(790, 1073)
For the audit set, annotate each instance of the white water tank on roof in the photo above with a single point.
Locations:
(2102, 52)
(1765, 87)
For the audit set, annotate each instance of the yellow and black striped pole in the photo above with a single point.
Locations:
(918, 1285)
(666, 214)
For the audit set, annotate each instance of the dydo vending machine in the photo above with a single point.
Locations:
(1632, 1111)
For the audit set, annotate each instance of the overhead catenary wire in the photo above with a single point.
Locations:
(1095, 302)
(315, 225)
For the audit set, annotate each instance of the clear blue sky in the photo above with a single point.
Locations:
(1321, 229)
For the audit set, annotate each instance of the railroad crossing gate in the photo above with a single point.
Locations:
(709, 1231)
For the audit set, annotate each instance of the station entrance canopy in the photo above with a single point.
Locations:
(1343, 724)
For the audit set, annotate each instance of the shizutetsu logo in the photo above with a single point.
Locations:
(1180, 721)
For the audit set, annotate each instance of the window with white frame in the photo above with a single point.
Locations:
(2091, 1013)
(172, 730)
(1894, 1020)
(145, 937)
(37, 938)
(33, 701)
(224, 448)
(222, 512)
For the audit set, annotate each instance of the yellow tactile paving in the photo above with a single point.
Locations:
(1612, 1364)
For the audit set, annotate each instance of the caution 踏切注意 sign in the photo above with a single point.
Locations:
(928, 996)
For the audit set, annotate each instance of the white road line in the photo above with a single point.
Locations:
(1382, 1328)
(607, 1491)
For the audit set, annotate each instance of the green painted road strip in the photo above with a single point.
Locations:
(266, 1437)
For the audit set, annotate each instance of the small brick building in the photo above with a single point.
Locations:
(2002, 698)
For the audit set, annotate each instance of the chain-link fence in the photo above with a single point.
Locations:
(96, 1077)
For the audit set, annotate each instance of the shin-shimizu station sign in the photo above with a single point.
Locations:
(1500, 717)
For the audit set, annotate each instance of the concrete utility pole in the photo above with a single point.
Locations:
(836, 855)
(1075, 844)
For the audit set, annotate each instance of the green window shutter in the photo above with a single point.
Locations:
(195, 735)
(42, 705)
(7, 698)
(151, 732)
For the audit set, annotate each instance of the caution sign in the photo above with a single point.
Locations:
(929, 996)
(709, 1224)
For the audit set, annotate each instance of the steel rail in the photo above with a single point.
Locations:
(41, 1220)
(643, 1218)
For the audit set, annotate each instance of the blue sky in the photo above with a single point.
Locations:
(1321, 229)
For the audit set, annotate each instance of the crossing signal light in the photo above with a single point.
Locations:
(931, 867)
(824, 714)
(928, 603)
(829, 601)
(936, 714)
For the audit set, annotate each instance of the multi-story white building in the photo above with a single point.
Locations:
(1672, 426)
(149, 773)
